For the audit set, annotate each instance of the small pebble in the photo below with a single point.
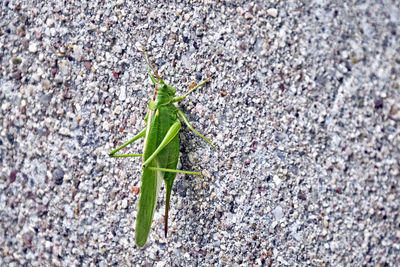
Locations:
(273, 12)
(33, 47)
(278, 213)
(186, 17)
(277, 180)
(124, 204)
(247, 15)
(64, 67)
(78, 53)
(117, 110)
(50, 22)
(122, 93)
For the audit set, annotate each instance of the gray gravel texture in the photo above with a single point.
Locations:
(304, 106)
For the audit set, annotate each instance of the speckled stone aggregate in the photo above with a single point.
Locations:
(304, 107)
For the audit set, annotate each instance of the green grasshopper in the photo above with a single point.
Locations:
(160, 151)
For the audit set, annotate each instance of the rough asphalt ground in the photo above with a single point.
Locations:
(304, 105)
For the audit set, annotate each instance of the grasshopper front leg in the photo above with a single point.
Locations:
(136, 137)
(183, 117)
(179, 98)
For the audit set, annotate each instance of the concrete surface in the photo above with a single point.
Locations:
(303, 105)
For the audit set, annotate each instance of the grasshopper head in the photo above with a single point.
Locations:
(165, 89)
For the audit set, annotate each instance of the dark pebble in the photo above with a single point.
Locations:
(378, 104)
(45, 100)
(302, 196)
(58, 176)
(27, 240)
(17, 75)
(10, 138)
(198, 75)
(16, 60)
(42, 210)
(13, 176)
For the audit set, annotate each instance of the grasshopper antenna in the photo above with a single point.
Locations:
(151, 69)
